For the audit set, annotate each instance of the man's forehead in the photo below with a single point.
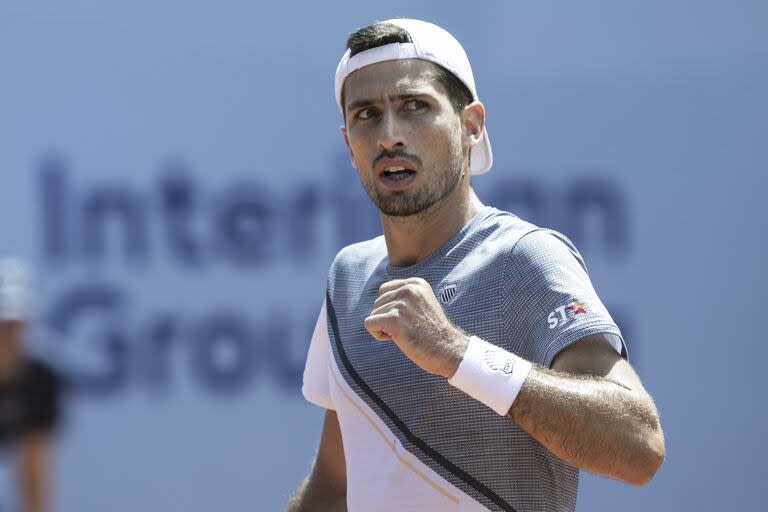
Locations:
(405, 76)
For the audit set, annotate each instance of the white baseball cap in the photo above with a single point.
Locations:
(14, 290)
(431, 43)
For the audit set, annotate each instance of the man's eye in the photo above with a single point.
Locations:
(366, 113)
(414, 105)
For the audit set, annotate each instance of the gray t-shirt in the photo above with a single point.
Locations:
(517, 286)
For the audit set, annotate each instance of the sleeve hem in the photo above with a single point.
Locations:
(318, 399)
(587, 330)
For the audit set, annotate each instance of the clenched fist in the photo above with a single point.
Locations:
(408, 313)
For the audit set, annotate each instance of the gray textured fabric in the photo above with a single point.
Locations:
(510, 278)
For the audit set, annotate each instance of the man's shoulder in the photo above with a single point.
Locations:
(528, 245)
(507, 221)
(361, 254)
(503, 227)
(373, 248)
(541, 249)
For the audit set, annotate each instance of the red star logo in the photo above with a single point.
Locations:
(577, 307)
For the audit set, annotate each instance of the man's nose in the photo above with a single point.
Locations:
(392, 132)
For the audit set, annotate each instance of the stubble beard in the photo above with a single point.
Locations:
(414, 202)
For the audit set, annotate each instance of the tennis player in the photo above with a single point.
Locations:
(464, 360)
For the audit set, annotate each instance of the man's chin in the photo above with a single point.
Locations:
(400, 203)
(391, 209)
(399, 213)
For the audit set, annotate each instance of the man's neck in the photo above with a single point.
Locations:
(411, 239)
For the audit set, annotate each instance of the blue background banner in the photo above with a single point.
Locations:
(175, 173)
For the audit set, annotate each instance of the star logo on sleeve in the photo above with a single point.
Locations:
(577, 307)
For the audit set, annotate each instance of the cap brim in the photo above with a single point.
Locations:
(482, 156)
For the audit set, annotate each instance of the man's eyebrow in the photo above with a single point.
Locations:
(353, 105)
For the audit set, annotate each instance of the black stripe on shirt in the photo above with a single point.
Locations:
(416, 441)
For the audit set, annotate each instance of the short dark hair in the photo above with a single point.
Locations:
(382, 33)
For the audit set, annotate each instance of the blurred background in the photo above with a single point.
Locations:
(174, 173)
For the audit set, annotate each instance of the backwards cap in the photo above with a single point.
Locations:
(430, 43)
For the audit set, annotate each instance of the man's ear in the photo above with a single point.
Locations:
(346, 141)
(473, 123)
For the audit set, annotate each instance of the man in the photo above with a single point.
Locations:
(29, 400)
(464, 359)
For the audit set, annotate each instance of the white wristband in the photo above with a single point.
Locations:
(491, 375)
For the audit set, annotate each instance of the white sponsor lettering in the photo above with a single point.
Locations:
(559, 316)
(552, 319)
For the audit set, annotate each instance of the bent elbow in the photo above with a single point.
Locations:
(648, 462)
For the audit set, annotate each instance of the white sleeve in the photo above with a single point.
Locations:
(316, 387)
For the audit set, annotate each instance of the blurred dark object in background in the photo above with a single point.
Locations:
(29, 399)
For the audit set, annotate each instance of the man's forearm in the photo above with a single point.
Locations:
(314, 496)
(592, 423)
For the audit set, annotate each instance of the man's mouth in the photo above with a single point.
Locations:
(396, 173)
(396, 176)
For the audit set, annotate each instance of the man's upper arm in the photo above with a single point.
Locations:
(594, 355)
(315, 387)
(549, 302)
(330, 469)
